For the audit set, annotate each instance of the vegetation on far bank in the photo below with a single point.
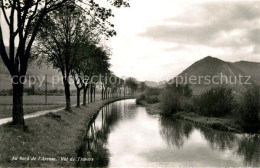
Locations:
(217, 108)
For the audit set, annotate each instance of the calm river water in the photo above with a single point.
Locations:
(125, 135)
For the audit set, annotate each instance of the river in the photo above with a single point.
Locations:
(124, 134)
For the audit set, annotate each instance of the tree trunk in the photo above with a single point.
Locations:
(67, 95)
(105, 94)
(18, 118)
(78, 97)
(91, 93)
(94, 93)
(88, 94)
(102, 93)
(85, 96)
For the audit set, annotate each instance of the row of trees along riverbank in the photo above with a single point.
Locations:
(218, 104)
(66, 34)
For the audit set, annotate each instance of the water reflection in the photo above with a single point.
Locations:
(95, 142)
(249, 148)
(125, 135)
(218, 140)
(174, 132)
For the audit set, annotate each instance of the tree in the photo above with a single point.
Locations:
(99, 66)
(59, 39)
(62, 35)
(23, 19)
(96, 64)
(187, 91)
(142, 86)
(23, 22)
(170, 99)
(131, 83)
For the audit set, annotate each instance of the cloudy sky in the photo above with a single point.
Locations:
(158, 39)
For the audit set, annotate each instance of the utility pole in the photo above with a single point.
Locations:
(46, 89)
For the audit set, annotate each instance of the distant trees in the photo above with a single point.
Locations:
(187, 91)
(132, 84)
(152, 95)
(142, 86)
(97, 64)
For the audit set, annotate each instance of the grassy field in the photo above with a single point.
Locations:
(34, 103)
(47, 138)
(4, 100)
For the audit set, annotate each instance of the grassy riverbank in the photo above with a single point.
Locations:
(47, 138)
(218, 108)
(223, 124)
(151, 108)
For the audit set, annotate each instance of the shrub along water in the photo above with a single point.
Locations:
(174, 98)
(140, 98)
(151, 95)
(217, 102)
(249, 110)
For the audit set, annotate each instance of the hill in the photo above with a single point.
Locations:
(211, 72)
(250, 68)
(33, 70)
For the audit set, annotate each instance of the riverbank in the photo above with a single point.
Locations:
(222, 124)
(151, 108)
(48, 140)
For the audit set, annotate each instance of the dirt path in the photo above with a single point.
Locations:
(34, 114)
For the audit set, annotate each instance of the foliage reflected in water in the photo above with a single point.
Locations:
(218, 140)
(95, 141)
(249, 148)
(174, 131)
(94, 145)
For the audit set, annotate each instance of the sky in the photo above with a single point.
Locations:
(157, 40)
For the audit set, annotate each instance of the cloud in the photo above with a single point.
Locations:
(157, 40)
(256, 50)
(254, 36)
(215, 24)
(176, 48)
